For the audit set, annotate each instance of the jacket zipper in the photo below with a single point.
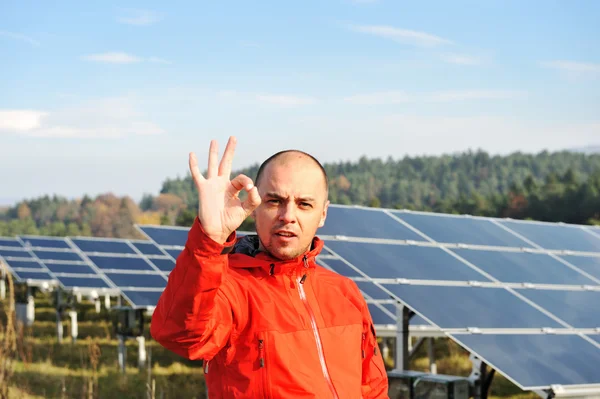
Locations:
(315, 331)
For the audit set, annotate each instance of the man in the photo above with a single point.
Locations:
(267, 321)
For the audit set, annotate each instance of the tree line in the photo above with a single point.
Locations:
(556, 187)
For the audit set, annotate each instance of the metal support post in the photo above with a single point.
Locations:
(2, 288)
(30, 308)
(59, 324)
(430, 347)
(107, 302)
(74, 329)
(97, 303)
(141, 351)
(78, 297)
(402, 337)
(480, 378)
(122, 353)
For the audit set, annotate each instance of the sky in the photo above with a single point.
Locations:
(111, 96)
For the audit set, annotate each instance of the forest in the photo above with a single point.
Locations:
(556, 187)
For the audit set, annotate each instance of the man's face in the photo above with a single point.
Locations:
(293, 207)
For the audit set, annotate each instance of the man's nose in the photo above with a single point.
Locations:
(287, 213)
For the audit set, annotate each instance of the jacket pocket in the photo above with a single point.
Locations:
(263, 380)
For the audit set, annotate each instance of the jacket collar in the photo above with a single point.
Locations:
(246, 254)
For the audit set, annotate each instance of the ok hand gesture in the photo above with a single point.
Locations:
(220, 210)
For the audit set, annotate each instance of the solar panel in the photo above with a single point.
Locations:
(127, 280)
(83, 282)
(71, 268)
(461, 229)
(379, 316)
(580, 309)
(394, 261)
(536, 362)
(14, 253)
(45, 242)
(167, 235)
(166, 264)
(518, 267)
(10, 242)
(28, 275)
(147, 248)
(555, 236)
(103, 246)
(120, 263)
(365, 223)
(588, 264)
(451, 307)
(56, 255)
(142, 298)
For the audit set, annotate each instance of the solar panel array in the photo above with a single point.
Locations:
(136, 269)
(518, 294)
(506, 290)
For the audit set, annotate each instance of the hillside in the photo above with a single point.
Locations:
(561, 186)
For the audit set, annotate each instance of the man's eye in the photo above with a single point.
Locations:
(273, 201)
(305, 204)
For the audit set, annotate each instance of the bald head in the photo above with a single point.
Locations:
(291, 157)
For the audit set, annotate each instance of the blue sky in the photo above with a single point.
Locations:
(112, 96)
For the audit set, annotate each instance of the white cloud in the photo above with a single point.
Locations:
(415, 38)
(20, 119)
(104, 118)
(572, 66)
(461, 59)
(397, 97)
(122, 58)
(18, 36)
(139, 17)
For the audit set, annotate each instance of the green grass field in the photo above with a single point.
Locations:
(88, 368)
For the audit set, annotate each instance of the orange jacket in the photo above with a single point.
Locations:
(267, 328)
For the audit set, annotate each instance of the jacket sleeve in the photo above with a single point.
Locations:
(193, 316)
(374, 376)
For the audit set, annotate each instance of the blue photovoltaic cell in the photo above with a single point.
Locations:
(556, 237)
(14, 253)
(120, 263)
(372, 290)
(461, 307)
(366, 223)
(174, 252)
(588, 264)
(103, 246)
(166, 236)
(31, 264)
(147, 248)
(45, 242)
(8, 242)
(379, 316)
(33, 275)
(577, 308)
(137, 280)
(69, 268)
(536, 361)
(166, 265)
(404, 261)
(340, 267)
(142, 298)
(83, 282)
(465, 230)
(519, 267)
(56, 255)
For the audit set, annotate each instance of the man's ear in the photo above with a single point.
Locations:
(324, 215)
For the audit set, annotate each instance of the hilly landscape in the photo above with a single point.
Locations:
(559, 186)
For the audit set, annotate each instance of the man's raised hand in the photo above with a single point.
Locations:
(220, 209)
